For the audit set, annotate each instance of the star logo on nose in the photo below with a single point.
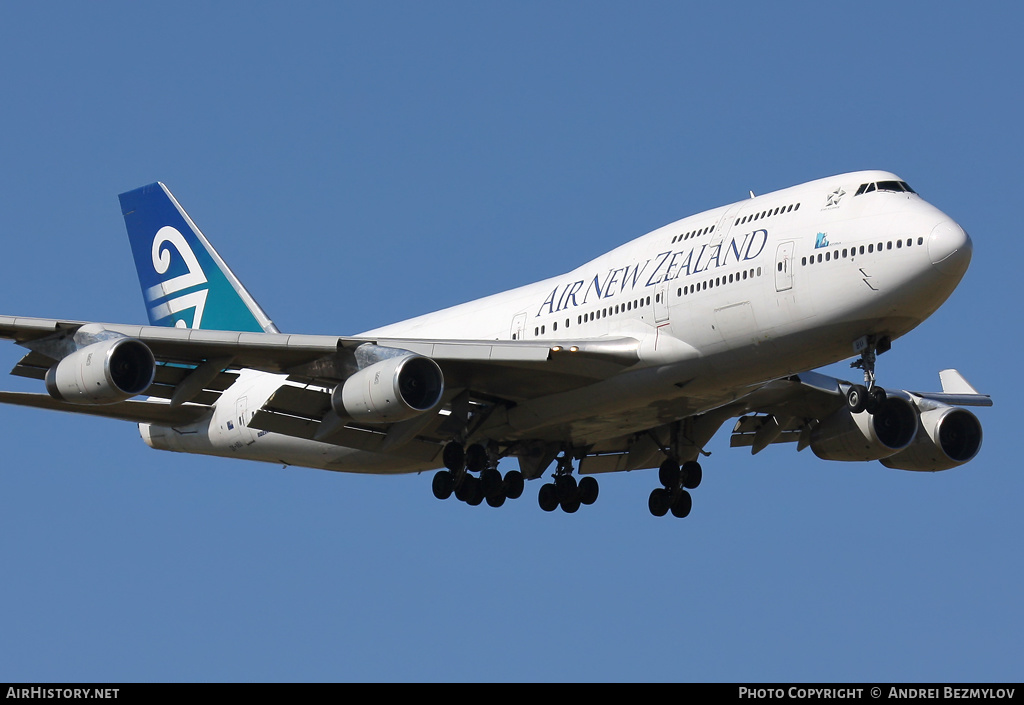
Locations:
(833, 198)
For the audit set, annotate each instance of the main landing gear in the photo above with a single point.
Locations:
(672, 496)
(867, 397)
(488, 486)
(564, 491)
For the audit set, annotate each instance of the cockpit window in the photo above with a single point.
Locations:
(890, 186)
(897, 186)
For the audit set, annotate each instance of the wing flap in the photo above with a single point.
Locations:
(348, 436)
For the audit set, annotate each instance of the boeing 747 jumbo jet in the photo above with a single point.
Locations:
(632, 360)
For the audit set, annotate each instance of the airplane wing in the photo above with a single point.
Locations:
(927, 429)
(195, 365)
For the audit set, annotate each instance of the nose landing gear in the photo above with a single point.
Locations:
(868, 396)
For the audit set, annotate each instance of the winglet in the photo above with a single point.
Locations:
(185, 283)
(954, 383)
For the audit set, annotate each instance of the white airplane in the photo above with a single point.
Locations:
(632, 360)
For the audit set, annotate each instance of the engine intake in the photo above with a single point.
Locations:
(948, 437)
(103, 373)
(863, 436)
(394, 389)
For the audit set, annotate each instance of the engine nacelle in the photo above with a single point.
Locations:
(394, 389)
(863, 436)
(948, 437)
(103, 373)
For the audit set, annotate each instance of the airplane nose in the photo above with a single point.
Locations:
(949, 248)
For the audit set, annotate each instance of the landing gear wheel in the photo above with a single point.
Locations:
(476, 458)
(588, 489)
(490, 479)
(570, 505)
(474, 491)
(548, 497)
(462, 488)
(692, 475)
(668, 473)
(443, 484)
(513, 484)
(659, 502)
(857, 398)
(875, 400)
(682, 505)
(454, 456)
(566, 486)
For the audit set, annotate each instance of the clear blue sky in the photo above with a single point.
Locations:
(360, 163)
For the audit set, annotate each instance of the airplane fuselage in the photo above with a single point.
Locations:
(720, 302)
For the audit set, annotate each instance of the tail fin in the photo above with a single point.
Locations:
(179, 270)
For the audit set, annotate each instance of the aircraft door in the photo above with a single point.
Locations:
(518, 326)
(661, 303)
(784, 267)
(725, 224)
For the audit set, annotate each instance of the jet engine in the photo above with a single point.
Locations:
(947, 437)
(393, 389)
(102, 373)
(862, 436)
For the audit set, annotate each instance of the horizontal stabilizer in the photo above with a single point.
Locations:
(956, 391)
(954, 383)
